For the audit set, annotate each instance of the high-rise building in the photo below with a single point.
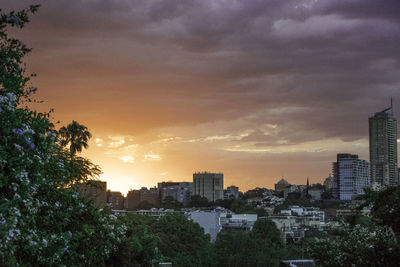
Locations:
(350, 176)
(209, 185)
(383, 148)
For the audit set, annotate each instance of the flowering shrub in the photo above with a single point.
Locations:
(357, 246)
(42, 221)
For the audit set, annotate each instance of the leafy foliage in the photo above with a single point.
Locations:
(76, 136)
(182, 240)
(171, 203)
(386, 208)
(139, 245)
(357, 246)
(364, 241)
(260, 247)
(198, 201)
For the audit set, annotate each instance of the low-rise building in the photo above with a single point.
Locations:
(180, 191)
(290, 189)
(238, 221)
(94, 191)
(315, 194)
(231, 192)
(116, 200)
(294, 221)
(281, 185)
(135, 197)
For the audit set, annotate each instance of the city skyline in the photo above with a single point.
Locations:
(264, 89)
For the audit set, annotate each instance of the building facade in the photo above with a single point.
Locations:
(328, 182)
(94, 191)
(383, 148)
(209, 185)
(135, 197)
(281, 185)
(180, 191)
(116, 200)
(231, 192)
(351, 176)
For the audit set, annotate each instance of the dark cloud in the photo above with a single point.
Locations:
(190, 62)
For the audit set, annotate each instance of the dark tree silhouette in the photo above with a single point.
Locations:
(76, 136)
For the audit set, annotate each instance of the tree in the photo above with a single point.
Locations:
(364, 241)
(357, 246)
(139, 246)
(76, 136)
(255, 248)
(145, 205)
(242, 206)
(266, 229)
(171, 203)
(198, 201)
(386, 208)
(182, 241)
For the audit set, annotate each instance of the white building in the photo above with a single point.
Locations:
(209, 185)
(304, 211)
(351, 176)
(209, 221)
(238, 221)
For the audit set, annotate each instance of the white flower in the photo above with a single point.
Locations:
(18, 147)
(11, 96)
(11, 233)
(38, 158)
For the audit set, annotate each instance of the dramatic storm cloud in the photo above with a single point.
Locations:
(255, 89)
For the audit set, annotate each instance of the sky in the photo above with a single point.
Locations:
(256, 89)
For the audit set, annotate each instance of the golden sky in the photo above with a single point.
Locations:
(254, 89)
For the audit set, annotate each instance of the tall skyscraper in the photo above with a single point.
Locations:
(383, 148)
(209, 185)
(350, 176)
